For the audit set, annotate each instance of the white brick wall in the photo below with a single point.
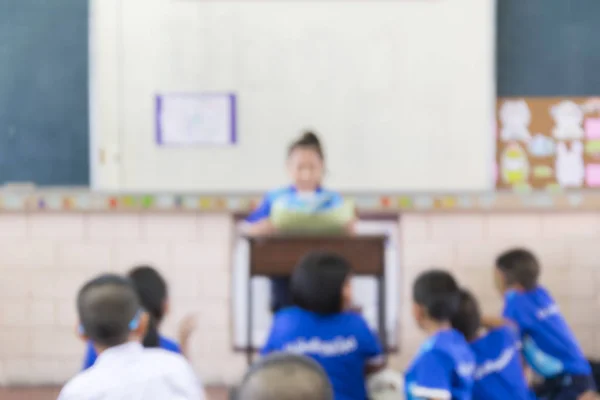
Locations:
(45, 258)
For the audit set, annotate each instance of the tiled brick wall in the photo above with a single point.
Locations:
(45, 258)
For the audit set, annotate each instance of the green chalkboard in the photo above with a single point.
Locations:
(44, 111)
(548, 48)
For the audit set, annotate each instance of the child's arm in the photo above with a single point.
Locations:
(493, 322)
(372, 352)
(260, 228)
(187, 326)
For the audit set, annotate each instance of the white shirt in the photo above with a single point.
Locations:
(132, 372)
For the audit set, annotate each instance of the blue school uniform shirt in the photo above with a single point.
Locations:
(164, 343)
(290, 198)
(443, 369)
(499, 373)
(548, 344)
(343, 344)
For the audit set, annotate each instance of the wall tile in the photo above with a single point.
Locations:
(169, 227)
(130, 254)
(414, 227)
(28, 254)
(85, 255)
(570, 225)
(514, 225)
(114, 227)
(57, 226)
(463, 227)
(13, 227)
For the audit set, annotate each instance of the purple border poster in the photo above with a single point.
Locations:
(196, 119)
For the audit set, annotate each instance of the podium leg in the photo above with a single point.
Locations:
(382, 314)
(249, 325)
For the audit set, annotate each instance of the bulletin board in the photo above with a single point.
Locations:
(548, 143)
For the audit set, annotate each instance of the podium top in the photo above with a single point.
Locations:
(297, 236)
(277, 255)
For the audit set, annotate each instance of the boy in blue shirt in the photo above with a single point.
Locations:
(548, 344)
(320, 326)
(444, 367)
(499, 372)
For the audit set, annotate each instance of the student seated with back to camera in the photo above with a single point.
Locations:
(444, 366)
(548, 344)
(306, 168)
(153, 293)
(319, 326)
(112, 318)
(499, 373)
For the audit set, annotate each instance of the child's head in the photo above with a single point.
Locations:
(153, 295)
(306, 162)
(436, 297)
(467, 320)
(321, 283)
(516, 269)
(110, 312)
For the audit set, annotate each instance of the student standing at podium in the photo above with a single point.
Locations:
(306, 167)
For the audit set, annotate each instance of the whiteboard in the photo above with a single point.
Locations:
(402, 93)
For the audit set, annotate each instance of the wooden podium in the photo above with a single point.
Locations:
(277, 256)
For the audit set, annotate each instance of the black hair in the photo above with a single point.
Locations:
(519, 266)
(153, 293)
(308, 140)
(468, 318)
(107, 305)
(284, 376)
(318, 281)
(437, 291)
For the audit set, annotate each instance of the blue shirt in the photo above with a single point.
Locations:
(443, 369)
(343, 344)
(164, 343)
(499, 372)
(549, 345)
(289, 197)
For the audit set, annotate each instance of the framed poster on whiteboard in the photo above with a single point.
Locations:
(196, 119)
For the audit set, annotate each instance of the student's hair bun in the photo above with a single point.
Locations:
(308, 139)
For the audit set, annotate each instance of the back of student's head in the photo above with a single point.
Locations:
(467, 319)
(152, 291)
(519, 267)
(437, 293)
(108, 308)
(285, 376)
(319, 283)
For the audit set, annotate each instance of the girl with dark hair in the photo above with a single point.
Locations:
(320, 326)
(153, 295)
(444, 366)
(306, 168)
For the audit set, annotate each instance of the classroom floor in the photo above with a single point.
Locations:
(52, 393)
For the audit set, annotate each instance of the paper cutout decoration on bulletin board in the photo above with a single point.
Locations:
(592, 148)
(592, 128)
(569, 165)
(592, 175)
(515, 117)
(543, 172)
(514, 165)
(541, 146)
(568, 119)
